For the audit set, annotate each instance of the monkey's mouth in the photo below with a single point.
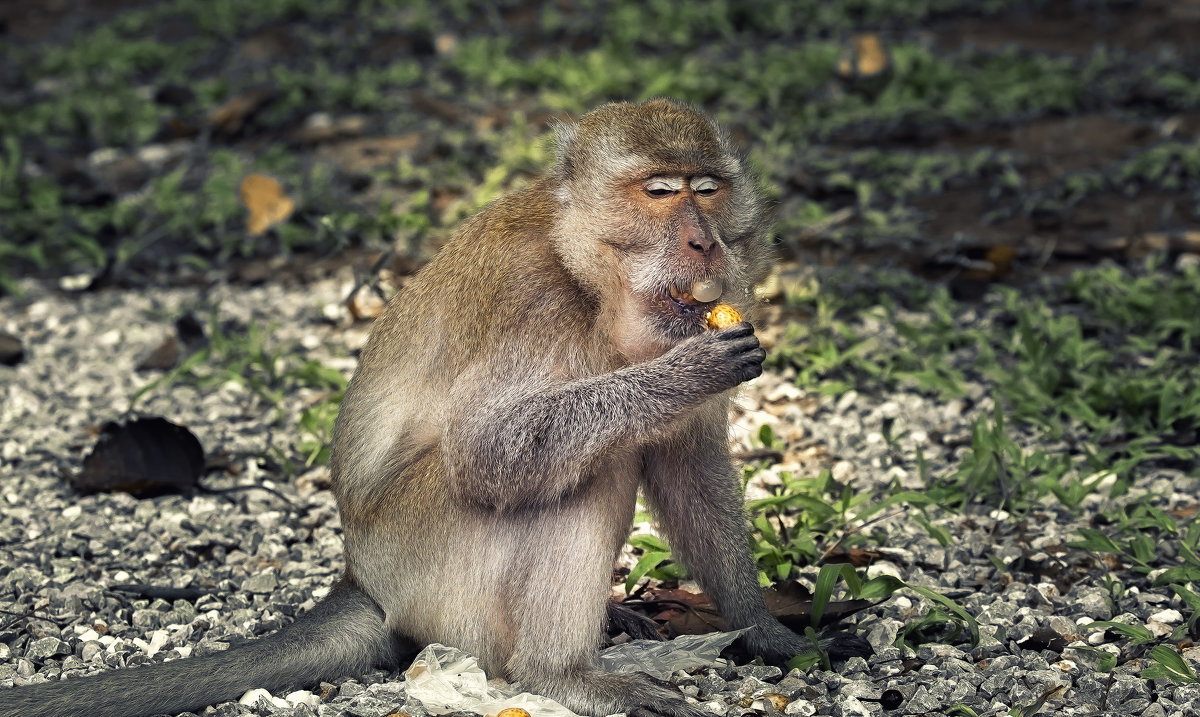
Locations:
(693, 302)
(700, 291)
(683, 297)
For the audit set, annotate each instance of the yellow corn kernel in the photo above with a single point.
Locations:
(512, 712)
(722, 316)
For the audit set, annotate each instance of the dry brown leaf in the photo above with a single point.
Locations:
(264, 198)
(364, 153)
(229, 116)
(366, 303)
(866, 58)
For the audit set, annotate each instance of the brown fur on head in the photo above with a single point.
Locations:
(622, 235)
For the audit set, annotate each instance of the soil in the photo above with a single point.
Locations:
(970, 220)
(963, 219)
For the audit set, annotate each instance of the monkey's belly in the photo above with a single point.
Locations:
(485, 582)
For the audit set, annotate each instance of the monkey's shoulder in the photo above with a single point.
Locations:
(496, 284)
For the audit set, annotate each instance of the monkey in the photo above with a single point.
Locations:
(551, 360)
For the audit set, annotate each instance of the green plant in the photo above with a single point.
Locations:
(1170, 665)
(655, 561)
(944, 610)
(245, 358)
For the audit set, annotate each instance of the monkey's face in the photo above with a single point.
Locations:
(691, 251)
(658, 220)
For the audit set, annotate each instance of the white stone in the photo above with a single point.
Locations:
(1168, 616)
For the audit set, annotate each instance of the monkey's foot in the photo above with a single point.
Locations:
(603, 693)
(624, 620)
(774, 642)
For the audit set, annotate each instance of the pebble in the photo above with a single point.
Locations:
(260, 560)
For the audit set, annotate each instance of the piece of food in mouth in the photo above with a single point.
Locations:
(701, 291)
(512, 712)
(705, 290)
(722, 316)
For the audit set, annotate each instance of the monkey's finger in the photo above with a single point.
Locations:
(748, 372)
(753, 358)
(743, 345)
(735, 331)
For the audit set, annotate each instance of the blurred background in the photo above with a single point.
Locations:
(984, 204)
(966, 142)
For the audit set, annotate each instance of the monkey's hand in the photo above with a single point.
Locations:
(716, 361)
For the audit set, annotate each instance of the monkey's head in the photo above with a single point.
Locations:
(659, 219)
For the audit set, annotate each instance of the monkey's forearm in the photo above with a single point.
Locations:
(536, 447)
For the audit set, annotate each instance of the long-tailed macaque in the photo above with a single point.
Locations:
(512, 398)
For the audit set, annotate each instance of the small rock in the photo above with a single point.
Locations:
(259, 696)
(922, 702)
(304, 697)
(1154, 710)
(47, 647)
(163, 357)
(145, 619)
(12, 351)
(804, 708)
(766, 673)
(264, 582)
(1168, 617)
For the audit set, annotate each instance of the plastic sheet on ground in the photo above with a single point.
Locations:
(660, 659)
(446, 679)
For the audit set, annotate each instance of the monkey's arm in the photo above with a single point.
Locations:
(696, 495)
(511, 442)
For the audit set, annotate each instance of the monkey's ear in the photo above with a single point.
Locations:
(565, 136)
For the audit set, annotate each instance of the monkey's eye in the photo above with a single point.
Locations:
(660, 188)
(705, 186)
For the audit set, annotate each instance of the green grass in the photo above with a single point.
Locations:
(249, 358)
(766, 68)
(1113, 368)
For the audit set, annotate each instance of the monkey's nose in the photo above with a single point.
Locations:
(697, 242)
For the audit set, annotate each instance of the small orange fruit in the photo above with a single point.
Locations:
(722, 316)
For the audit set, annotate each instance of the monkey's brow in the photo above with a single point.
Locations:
(687, 173)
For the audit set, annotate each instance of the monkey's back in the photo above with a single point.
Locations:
(496, 289)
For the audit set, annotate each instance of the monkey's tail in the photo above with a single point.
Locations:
(343, 635)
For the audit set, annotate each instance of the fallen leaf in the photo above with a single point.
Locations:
(366, 303)
(263, 196)
(145, 457)
(865, 58)
(364, 153)
(229, 116)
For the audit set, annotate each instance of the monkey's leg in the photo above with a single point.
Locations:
(560, 615)
(343, 635)
(697, 497)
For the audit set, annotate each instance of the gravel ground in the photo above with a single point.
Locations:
(264, 561)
